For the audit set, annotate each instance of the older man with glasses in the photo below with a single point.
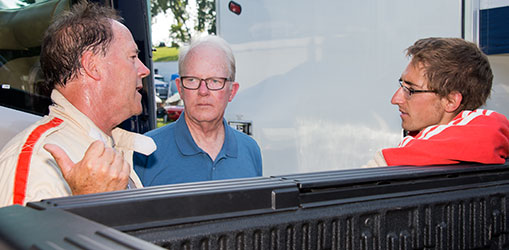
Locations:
(440, 93)
(200, 146)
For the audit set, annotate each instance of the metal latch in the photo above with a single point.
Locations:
(242, 126)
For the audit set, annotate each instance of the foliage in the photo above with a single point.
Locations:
(158, 6)
(161, 122)
(206, 16)
(164, 54)
(180, 32)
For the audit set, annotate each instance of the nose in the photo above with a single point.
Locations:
(202, 89)
(143, 71)
(398, 97)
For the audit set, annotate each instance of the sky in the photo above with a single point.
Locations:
(161, 27)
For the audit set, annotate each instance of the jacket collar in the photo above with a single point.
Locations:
(120, 138)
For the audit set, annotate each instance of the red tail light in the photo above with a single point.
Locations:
(235, 7)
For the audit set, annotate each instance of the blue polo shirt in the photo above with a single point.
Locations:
(178, 158)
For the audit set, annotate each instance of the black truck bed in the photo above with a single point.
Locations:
(461, 206)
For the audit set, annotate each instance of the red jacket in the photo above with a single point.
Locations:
(472, 136)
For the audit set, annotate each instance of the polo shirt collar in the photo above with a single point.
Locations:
(188, 146)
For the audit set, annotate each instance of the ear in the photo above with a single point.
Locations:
(453, 101)
(89, 63)
(179, 87)
(233, 92)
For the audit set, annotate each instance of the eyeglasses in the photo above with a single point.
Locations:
(409, 91)
(212, 83)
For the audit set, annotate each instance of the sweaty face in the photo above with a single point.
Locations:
(418, 110)
(202, 104)
(122, 74)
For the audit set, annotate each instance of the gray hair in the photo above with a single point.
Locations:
(214, 41)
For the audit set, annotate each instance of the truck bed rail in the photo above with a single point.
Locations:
(461, 206)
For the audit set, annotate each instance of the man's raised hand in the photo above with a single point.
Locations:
(102, 169)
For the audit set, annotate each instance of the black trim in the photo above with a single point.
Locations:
(462, 19)
(494, 30)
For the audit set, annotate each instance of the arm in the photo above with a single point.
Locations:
(377, 161)
(474, 137)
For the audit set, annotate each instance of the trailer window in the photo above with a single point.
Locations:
(22, 25)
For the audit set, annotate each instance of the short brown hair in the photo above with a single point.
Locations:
(453, 64)
(87, 27)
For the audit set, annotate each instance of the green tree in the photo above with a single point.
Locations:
(28, 1)
(206, 16)
(158, 6)
(180, 32)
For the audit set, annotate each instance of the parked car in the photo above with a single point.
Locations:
(162, 87)
(173, 112)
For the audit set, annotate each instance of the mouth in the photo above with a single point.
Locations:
(403, 113)
(203, 105)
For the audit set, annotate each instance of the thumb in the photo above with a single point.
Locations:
(63, 161)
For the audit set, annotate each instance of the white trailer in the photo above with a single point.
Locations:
(317, 77)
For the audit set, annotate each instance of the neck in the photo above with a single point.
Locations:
(209, 136)
(81, 99)
(99, 121)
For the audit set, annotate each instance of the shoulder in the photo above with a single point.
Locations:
(162, 132)
(164, 138)
(33, 135)
(40, 175)
(499, 117)
(484, 117)
(248, 147)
